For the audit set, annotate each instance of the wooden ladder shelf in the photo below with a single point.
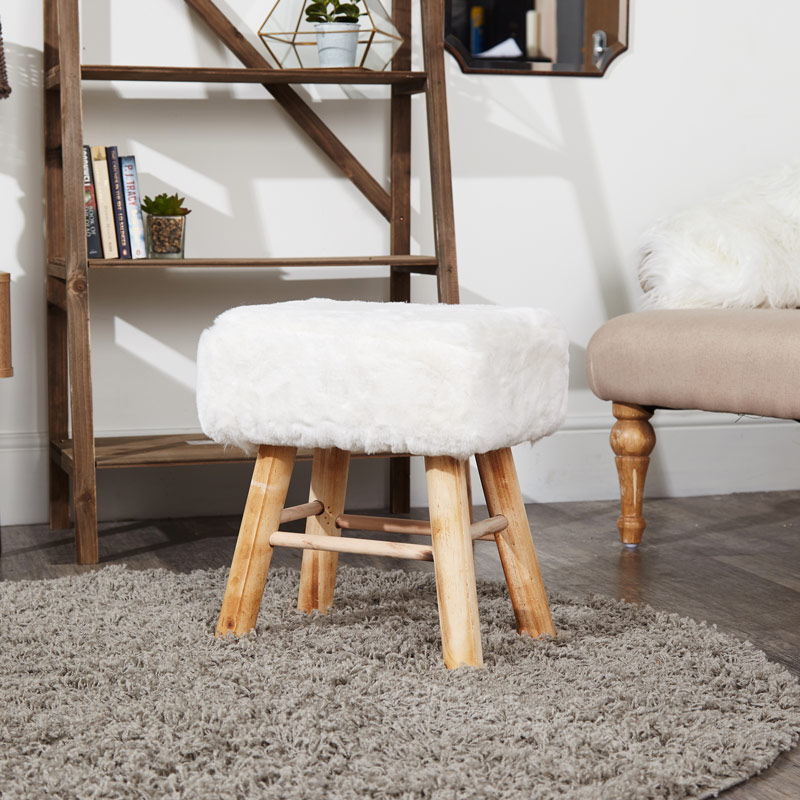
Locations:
(76, 453)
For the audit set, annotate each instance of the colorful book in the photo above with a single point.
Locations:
(133, 206)
(118, 203)
(105, 210)
(94, 246)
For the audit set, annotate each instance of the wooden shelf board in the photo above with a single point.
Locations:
(162, 450)
(413, 263)
(406, 80)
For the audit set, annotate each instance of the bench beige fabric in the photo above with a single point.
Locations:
(745, 361)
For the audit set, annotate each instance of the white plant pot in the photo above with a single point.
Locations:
(336, 43)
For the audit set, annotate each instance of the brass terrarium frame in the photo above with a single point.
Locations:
(377, 43)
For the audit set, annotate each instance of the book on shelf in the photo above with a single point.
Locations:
(133, 206)
(94, 246)
(118, 203)
(105, 209)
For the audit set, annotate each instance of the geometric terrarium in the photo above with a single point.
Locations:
(292, 41)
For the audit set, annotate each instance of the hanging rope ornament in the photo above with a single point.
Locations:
(5, 89)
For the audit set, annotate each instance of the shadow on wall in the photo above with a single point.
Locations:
(526, 144)
(147, 325)
(20, 166)
(18, 120)
(282, 199)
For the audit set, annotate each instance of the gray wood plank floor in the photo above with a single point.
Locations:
(732, 560)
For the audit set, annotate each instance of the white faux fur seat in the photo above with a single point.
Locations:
(441, 381)
(382, 377)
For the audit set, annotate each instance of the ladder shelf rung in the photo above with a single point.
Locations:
(404, 81)
(161, 450)
(412, 263)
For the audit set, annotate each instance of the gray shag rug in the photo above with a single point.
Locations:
(113, 686)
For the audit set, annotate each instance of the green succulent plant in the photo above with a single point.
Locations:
(332, 11)
(164, 205)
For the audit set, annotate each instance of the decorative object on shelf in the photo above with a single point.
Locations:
(290, 33)
(5, 89)
(6, 370)
(476, 18)
(337, 26)
(165, 227)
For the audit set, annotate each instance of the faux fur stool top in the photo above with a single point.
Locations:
(382, 377)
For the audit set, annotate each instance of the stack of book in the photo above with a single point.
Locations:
(114, 226)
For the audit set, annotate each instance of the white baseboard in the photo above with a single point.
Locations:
(696, 454)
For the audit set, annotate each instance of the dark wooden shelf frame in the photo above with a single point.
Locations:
(75, 452)
(406, 82)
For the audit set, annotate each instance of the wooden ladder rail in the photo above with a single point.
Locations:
(444, 228)
(400, 233)
(65, 211)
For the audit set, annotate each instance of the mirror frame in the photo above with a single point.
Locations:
(482, 66)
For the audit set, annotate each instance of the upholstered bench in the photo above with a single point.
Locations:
(744, 361)
(442, 381)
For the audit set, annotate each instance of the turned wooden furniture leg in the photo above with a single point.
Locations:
(632, 440)
(262, 513)
(515, 544)
(318, 571)
(453, 562)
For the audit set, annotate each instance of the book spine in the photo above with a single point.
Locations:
(118, 203)
(133, 205)
(94, 246)
(105, 211)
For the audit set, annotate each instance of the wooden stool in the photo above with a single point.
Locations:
(456, 360)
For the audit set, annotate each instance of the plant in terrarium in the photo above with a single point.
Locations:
(336, 26)
(332, 11)
(166, 225)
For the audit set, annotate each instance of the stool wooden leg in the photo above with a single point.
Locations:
(452, 558)
(253, 553)
(318, 572)
(515, 544)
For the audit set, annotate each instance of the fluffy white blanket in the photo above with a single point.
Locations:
(382, 377)
(739, 250)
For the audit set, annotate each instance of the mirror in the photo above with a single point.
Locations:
(536, 37)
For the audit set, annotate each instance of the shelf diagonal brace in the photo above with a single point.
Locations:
(295, 107)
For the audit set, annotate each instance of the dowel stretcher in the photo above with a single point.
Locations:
(485, 529)
(303, 511)
(342, 544)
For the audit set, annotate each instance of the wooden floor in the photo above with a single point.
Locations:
(732, 560)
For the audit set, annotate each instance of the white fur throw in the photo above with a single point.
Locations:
(382, 377)
(740, 250)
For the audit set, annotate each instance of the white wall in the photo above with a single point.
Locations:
(554, 179)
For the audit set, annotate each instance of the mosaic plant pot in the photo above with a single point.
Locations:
(166, 236)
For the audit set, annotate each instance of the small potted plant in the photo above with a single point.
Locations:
(337, 30)
(165, 227)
